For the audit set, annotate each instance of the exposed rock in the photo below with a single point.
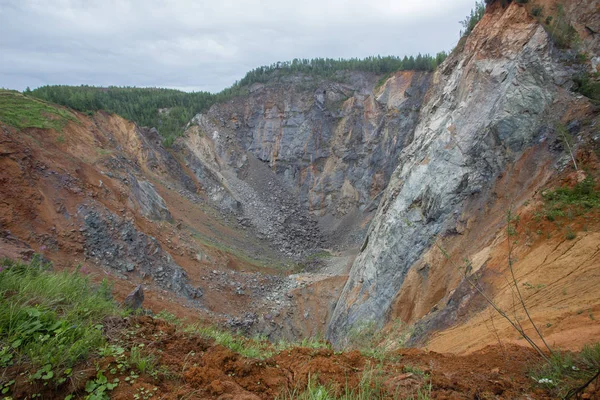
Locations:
(134, 299)
(116, 243)
(488, 105)
(301, 144)
(151, 204)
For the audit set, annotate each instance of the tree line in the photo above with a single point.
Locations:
(169, 110)
(327, 67)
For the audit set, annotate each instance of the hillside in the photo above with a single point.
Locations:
(323, 229)
(170, 110)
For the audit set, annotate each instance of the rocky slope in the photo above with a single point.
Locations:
(230, 223)
(327, 148)
(493, 108)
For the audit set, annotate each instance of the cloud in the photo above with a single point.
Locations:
(206, 45)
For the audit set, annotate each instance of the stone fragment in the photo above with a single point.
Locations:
(135, 299)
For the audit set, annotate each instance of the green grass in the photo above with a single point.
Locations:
(240, 255)
(320, 255)
(566, 371)
(246, 347)
(560, 30)
(49, 320)
(374, 342)
(145, 362)
(370, 387)
(23, 111)
(256, 347)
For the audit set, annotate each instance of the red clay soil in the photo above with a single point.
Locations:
(192, 367)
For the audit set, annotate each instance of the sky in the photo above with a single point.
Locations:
(200, 45)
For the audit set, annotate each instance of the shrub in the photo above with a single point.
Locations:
(537, 11)
(586, 86)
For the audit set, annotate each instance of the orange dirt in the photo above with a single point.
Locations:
(195, 368)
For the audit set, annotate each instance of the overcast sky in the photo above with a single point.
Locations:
(202, 45)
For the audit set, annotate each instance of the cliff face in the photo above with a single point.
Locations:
(501, 94)
(332, 146)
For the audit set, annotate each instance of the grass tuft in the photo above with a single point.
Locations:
(49, 319)
(566, 371)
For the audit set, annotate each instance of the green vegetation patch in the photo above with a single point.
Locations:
(23, 111)
(566, 371)
(374, 342)
(258, 347)
(588, 87)
(50, 320)
(583, 196)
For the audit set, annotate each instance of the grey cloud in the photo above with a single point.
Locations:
(201, 45)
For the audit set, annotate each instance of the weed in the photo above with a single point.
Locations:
(99, 388)
(565, 371)
(49, 319)
(565, 201)
(5, 386)
(320, 255)
(587, 86)
(143, 361)
(382, 80)
(309, 343)
(570, 235)
(413, 370)
(370, 387)
(373, 342)
(590, 356)
(170, 318)
(528, 285)
(241, 345)
(143, 393)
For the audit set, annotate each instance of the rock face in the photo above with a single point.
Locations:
(134, 299)
(151, 204)
(489, 102)
(301, 143)
(115, 243)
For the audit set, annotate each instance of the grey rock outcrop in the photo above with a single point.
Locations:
(326, 149)
(134, 299)
(116, 243)
(151, 204)
(488, 105)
